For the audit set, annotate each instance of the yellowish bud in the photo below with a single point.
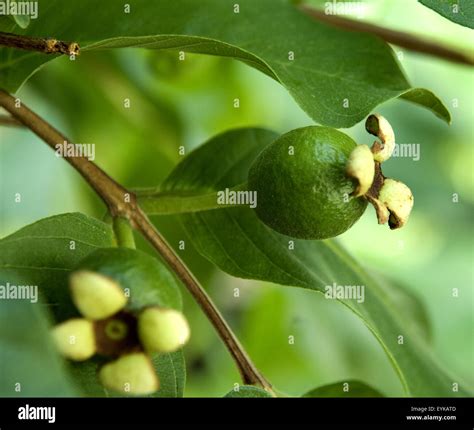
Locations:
(130, 374)
(162, 330)
(75, 339)
(95, 295)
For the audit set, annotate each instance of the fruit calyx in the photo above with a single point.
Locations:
(392, 200)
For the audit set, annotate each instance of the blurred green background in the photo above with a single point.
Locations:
(182, 103)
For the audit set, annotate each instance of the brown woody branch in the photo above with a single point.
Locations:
(47, 46)
(122, 202)
(10, 121)
(404, 40)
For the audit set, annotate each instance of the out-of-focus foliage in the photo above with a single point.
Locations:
(344, 389)
(182, 103)
(458, 11)
(326, 70)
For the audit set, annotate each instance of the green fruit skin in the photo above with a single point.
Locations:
(147, 280)
(303, 195)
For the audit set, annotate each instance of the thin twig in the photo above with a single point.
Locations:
(10, 121)
(44, 45)
(250, 374)
(122, 202)
(405, 40)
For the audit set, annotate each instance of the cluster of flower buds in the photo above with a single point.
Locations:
(107, 328)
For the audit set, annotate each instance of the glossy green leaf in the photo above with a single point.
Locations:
(237, 242)
(337, 77)
(247, 391)
(43, 254)
(459, 11)
(351, 388)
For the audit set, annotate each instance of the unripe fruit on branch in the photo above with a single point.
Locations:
(302, 186)
(315, 182)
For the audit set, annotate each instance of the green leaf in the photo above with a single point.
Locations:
(22, 20)
(238, 243)
(29, 363)
(411, 309)
(171, 370)
(344, 389)
(337, 77)
(247, 391)
(458, 11)
(43, 254)
(40, 255)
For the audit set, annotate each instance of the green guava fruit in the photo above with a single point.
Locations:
(303, 190)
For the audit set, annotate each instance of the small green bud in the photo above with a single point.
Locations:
(162, 330)
(75, 339)
(398, 199)
(361, 166)
(130, 374)
(95, 295)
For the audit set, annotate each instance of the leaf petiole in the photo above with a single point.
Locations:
(123, 232)
(155, 202)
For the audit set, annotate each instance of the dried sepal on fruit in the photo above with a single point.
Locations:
(392, 200)
(361, 167)
(378, 126)
(380, 209)
(398, 199)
